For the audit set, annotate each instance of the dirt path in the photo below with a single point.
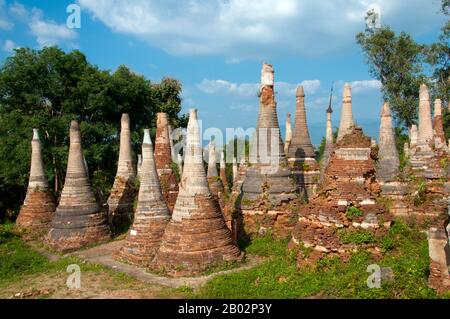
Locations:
(103, 255)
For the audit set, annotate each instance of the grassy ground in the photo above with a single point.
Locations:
(25, 273)
(404, 249)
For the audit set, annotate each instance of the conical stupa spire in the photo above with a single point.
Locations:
(123, 192)
(267, 145)
(196, 237)
(388, 161)
(139, 165)
(223, 173)
(180, 164)
(346, 114)
(163, 160)
(288, 139)
(328, 133)
(438, 125)
(212, 163)
(301, 147)
(235, 169)
(414, 136)
(425, 122)
(125, 166)
(152, 214)
(77, 221)
(214, 182)
(39, 204)
(268, 175)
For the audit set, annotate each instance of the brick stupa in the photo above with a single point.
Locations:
(123, 192)
(78, 220)
(301, 153)
(214, 182)
(196, 238)
(346, 125)
(37, 210)
(163, 160)
(288, 138)
(388, 165)
(438, 125)
(151, 216)
(346, 200)
(223, 172)
(268, 187)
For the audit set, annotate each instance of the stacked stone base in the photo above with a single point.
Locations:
(143, 239)
(397, 193)
(169, 187)
(307, 176)
(37, 211)
(121, 204)
(318, 228)
(192, 246)
(74, 227)
(439, 249)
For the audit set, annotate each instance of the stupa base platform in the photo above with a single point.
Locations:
(439, 249)
(75, 232)
(120, 204)
(37, 212)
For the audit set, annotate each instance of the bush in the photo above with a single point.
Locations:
(356, 236)
(353, 212)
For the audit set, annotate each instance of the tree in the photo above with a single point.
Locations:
(395, 60)
(48, 88)
(399, 63)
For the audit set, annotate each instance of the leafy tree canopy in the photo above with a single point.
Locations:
(46, 89)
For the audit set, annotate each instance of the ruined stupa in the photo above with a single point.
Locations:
(301, 149)
(301, 153)
(151, 216)
(388, 166)
(425, 158)
(223, 172)
(139, 165)
(439, 135)
(163, 160)
(346, 125)
(288, 139)
(196, 237)
(388, 161)
(346, 201)
(78, 220)
(268, 186)
(235, 169)
(214, 182)
(37, 210)
(123, 192)
(425, 121)
(328, 136)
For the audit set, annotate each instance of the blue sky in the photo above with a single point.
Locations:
(216, 48)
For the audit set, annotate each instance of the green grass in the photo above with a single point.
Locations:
(405, 251)
(18, 260)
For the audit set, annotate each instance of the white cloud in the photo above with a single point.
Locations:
(251, 89)
(49, 33)
(362, 86)
(5, 24)
(18, 11)
(8, 46)
(258, 29)
(225, 87)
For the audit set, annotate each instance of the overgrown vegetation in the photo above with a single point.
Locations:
(48, 88)
(404, 249)
(353, 212)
